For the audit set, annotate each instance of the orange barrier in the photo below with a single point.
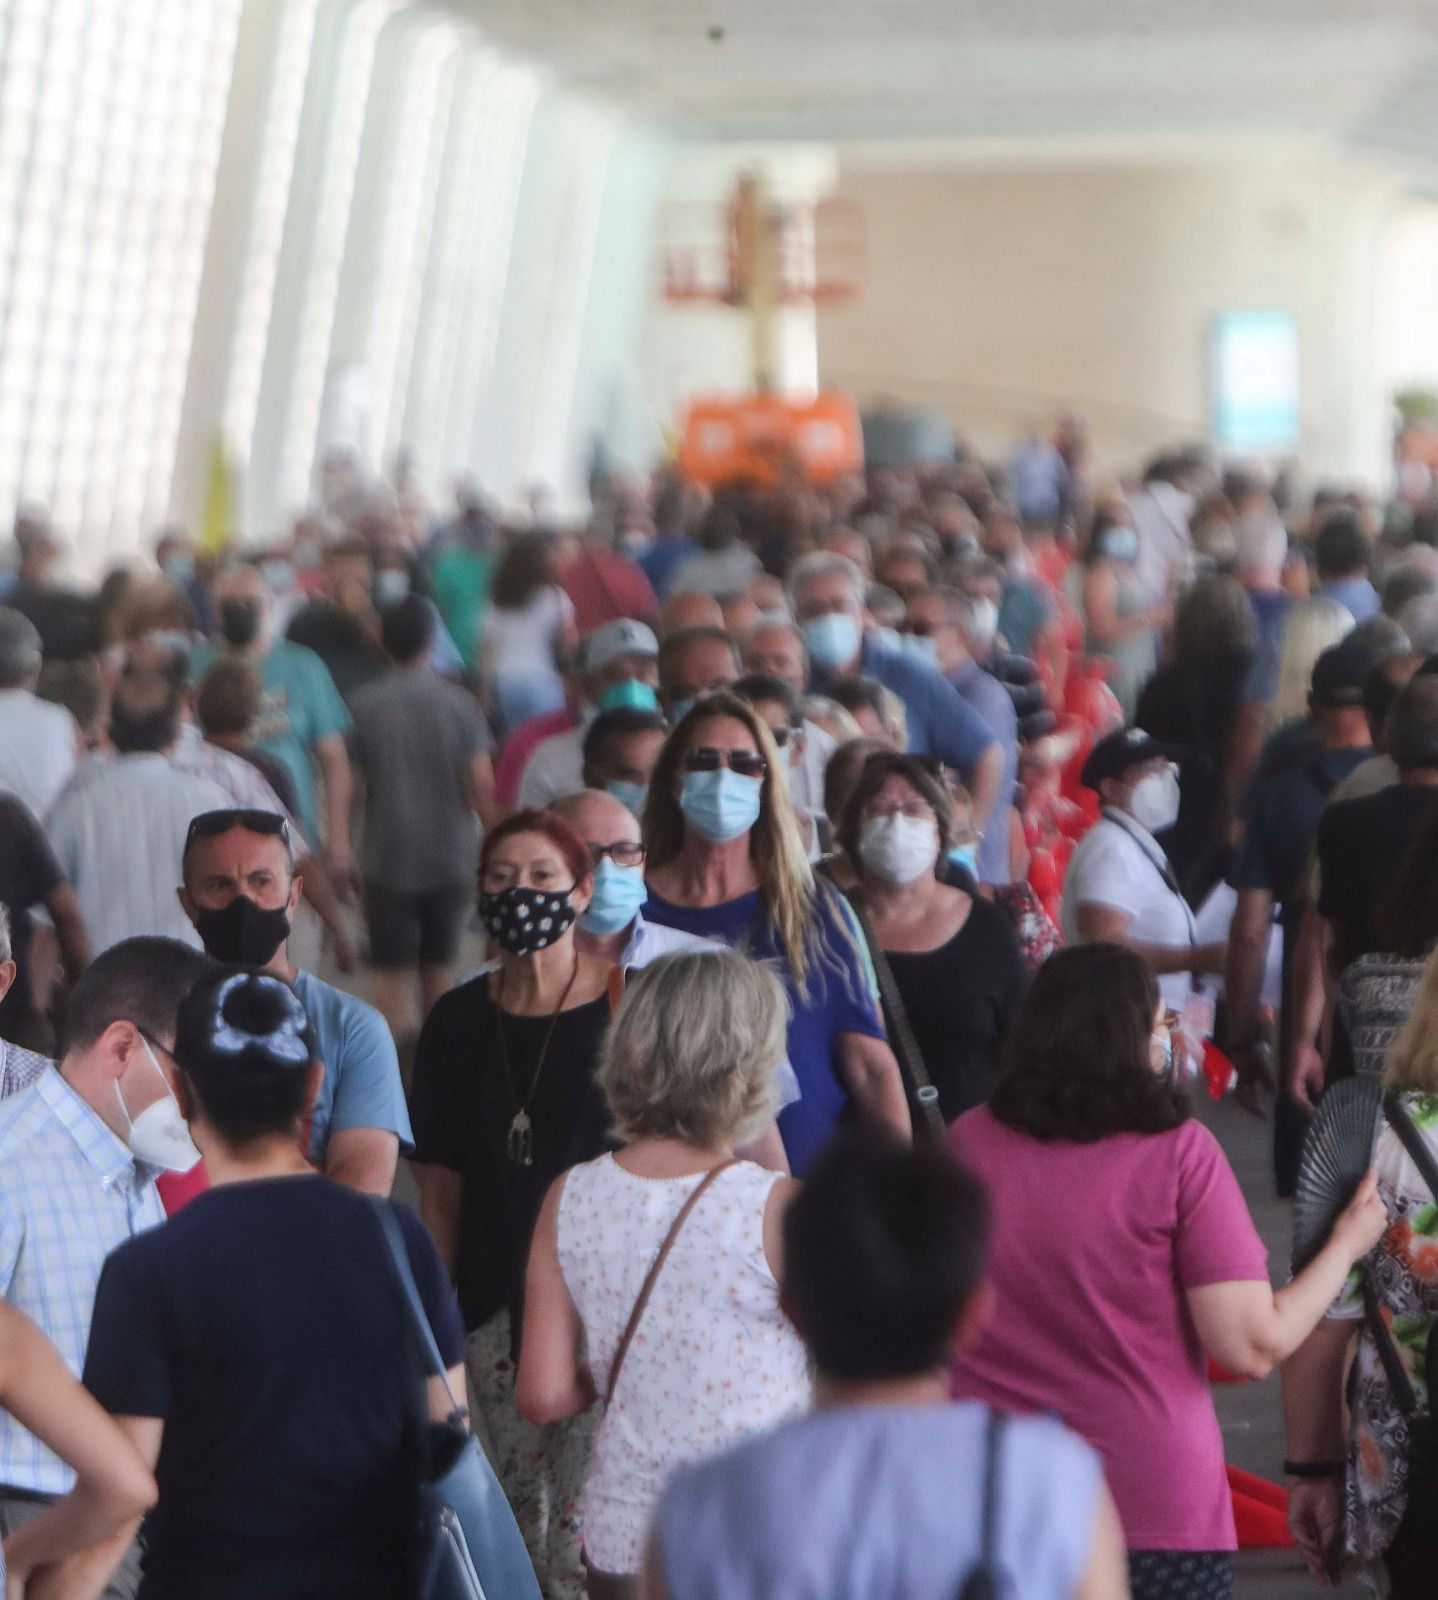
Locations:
(762, 438)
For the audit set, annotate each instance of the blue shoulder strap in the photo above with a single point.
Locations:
(418, 1319)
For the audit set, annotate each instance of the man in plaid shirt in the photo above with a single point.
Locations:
(18, 1068)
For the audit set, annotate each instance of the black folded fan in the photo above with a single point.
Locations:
(1337, 1151)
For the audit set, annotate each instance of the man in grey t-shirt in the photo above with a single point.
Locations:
(423, 748)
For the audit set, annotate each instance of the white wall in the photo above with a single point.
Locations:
(1005, 294)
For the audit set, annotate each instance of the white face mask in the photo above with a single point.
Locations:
(159, 1136)
(899, 849)
(986, 619)
(1154, 804)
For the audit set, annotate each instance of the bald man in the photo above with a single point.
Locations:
(684, 611)
(776, 650)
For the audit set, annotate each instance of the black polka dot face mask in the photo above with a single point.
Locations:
(526, 920)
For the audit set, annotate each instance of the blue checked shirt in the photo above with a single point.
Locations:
(70, 1191)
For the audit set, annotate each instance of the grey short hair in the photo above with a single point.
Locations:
(1262, 541)
(694, 1050)
(824, 564)
(1419, 620)
(20, 649)
(6, 953)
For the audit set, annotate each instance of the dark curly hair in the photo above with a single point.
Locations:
(1076, 1065)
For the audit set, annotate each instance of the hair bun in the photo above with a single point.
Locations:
(257, 1012)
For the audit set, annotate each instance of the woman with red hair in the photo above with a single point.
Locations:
(504, 1099)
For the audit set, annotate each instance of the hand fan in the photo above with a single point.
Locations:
(1337, 1151)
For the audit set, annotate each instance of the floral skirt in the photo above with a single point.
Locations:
(1180, 1574)
(541, 1470)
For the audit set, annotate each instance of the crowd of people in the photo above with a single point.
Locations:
(796, 922)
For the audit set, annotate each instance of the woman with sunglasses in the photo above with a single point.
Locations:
(958, 971)
(504, 1099)
(726, 861)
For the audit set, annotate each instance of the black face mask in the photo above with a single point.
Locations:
(243, 934)
(240, 621)
(526, 920)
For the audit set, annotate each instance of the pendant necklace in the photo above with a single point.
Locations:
(519, 1144)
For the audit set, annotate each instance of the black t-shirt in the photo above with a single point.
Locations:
(264, 1324)
(29, 874)
(961, 999)
(1362, 844)
(462, 1109)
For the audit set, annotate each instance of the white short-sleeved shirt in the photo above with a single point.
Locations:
(1119, 864)
(38, 748)
(524, 639)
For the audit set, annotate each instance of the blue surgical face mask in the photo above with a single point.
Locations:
(1164, 1040)
(1119, 544)
(179, 567)
(632, 796)
(965, 856)
(619, 893)
(833, 640)
(629, 694)
(721, 805)
(278, 575)
(922, 648)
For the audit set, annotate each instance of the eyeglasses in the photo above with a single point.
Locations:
(747, 763)
(625, 854)
(210, 824)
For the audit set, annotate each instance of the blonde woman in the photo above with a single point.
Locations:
(689, 1072)
(1312, 627)
(1365, 1493)
(726, 862)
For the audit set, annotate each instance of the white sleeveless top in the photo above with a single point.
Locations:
(714, 1359)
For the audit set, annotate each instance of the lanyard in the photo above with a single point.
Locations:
(1162, 867)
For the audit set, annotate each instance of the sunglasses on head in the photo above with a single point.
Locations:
(747, 763)
(212, 823)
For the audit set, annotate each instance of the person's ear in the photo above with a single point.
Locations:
(972, 1318)
(7, 977)
(117, 1047)
(582, 893)
(297, 889)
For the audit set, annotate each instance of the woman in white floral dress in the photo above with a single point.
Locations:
(1368, 1496)
(688, 1071)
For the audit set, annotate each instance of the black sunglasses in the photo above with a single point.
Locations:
(747, 763)
(209, 824)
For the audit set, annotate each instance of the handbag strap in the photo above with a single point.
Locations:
(415, 1315)
(1422, 1157)
(636, 1316)
(982, 1582)
(910, 1057)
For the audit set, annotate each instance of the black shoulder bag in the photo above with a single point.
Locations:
(921, 1092)
(468, 1545)
(1422, 1431)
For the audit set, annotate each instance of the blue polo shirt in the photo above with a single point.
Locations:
(941, 723)
(995, 705)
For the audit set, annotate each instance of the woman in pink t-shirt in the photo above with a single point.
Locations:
(1123, 1253)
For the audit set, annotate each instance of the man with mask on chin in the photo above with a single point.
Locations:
(1120, 886)
(80, 1150)
(303, 721)
(240, 890)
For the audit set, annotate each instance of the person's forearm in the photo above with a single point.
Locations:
(1165, 958)
(1306, 1012)
(1243, 980)
(984, 778)
(319, 890)
(339, 792)
(73, 1549)
(1298, 1306)
(1313, 1393)
(872, 1074)
(366, 1164)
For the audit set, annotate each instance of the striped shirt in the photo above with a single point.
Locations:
(19, 1068)
(70, 1191)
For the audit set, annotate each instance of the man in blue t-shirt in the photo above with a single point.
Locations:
(240, 891)
(827, 594)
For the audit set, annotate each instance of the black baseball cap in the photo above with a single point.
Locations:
(1114, 755)
(1340, 672)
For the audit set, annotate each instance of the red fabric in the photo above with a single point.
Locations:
(520, 745)
(605, 586)
(1260, 1512)
(177, 1189)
